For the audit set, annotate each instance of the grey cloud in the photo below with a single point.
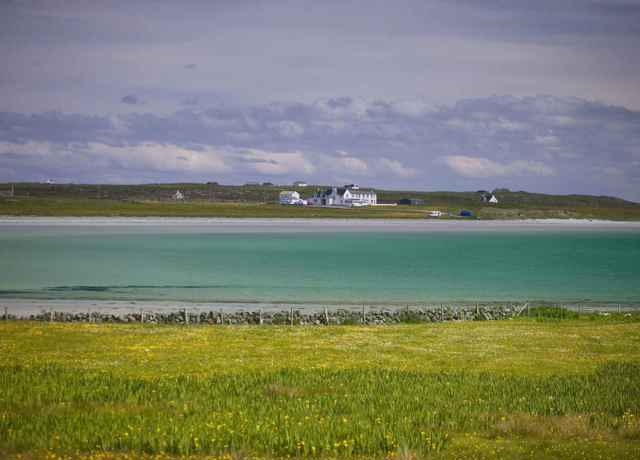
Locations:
(131, 99)
(189, 101)
(191, 66)
(542, 143)
(550, 20)
(438, 49)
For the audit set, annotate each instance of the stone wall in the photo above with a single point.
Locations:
(369, 316)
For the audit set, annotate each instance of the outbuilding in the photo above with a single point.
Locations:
(411, 201)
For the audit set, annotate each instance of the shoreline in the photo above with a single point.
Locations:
(316, 225)
(22, 308)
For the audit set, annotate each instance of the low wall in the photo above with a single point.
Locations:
(287, 317)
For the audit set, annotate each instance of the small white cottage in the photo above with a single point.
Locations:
(487, 197)
(291, 197)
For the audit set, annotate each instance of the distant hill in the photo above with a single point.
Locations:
(213, 199)
(509, 198)
(269, 193)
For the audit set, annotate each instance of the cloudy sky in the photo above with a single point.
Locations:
(429, 94)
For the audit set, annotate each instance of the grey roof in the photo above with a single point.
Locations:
(362, 191)
(341, 190)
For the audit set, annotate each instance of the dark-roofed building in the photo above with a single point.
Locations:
(411, 201)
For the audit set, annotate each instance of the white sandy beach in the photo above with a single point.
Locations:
(262, 225)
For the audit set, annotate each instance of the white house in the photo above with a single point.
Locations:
(178, 195)
(487, 197)
(347, 196)
(299, 183)
(291, 197)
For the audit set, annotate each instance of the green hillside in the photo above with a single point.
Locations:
(212, 199)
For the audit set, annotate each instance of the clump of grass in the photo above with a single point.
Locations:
(276, 389)
(550, 427)
(543, 313)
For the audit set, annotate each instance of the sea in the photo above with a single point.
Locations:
(316, 262)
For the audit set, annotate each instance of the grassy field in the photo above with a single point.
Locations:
(85, 207)
(105, 207)
(507, 389)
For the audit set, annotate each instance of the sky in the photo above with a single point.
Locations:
(418, 95)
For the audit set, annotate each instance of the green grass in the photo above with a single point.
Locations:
(509, 389)
(105, 207)
(93, 207)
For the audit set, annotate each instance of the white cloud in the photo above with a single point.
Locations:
(396, 168)
(383, 143)
(412, 108)
(161, 157)
(549, 140)
(354, 165)
(612, 171)
(347, 163)
(27, 148)
(277, 163)
(561, 120)
(342, 107)
(483, 167)
(507, 125)
(288, 129)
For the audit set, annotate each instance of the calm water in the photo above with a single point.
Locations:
(344, 267)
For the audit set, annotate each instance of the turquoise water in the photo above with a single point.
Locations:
(345, 267)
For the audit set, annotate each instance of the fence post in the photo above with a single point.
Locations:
(260, 317)
(6, 313)
(142, 316)
(477, 311)
(186, 317)
(291, 315)
(528, 313)
(50, 315)
(364, 316)
(619, 310)
(326, 316)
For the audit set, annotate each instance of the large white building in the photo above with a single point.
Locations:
(349, 196)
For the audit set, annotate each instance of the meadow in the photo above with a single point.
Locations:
(526, 388)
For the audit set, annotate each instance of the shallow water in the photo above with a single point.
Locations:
(200, 263)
